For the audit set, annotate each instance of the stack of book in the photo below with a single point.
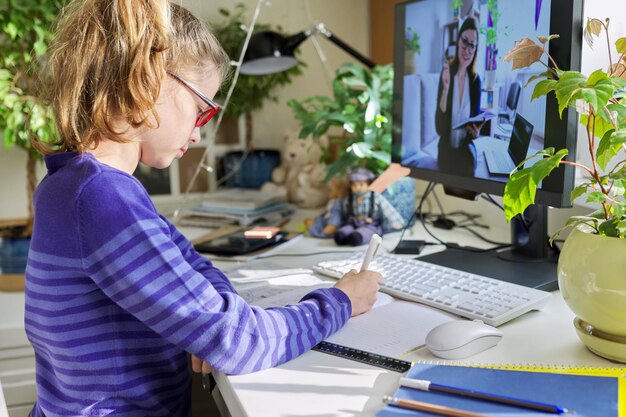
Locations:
(238, 206)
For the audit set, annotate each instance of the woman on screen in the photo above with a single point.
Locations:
(458, 99)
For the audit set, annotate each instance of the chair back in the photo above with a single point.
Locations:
(513, 96)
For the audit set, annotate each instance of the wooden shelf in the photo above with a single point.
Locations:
(11, 282)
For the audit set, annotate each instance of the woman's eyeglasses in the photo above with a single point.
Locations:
(467, 45)
(207, 114)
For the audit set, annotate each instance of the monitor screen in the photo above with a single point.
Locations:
(457, 103)
(464, 118)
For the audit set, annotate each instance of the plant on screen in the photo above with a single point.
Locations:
(600, 100)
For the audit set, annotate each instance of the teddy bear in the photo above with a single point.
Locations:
(301, 173)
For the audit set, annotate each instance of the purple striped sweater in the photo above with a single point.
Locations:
(116, 296)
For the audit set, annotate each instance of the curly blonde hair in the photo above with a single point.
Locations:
(109, 59)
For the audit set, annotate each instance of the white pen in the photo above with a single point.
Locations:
(371, 251)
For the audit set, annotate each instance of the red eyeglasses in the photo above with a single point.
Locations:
(207, 114)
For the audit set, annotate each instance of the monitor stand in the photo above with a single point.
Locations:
(531, 262)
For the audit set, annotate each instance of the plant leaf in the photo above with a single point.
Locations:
(579, 191)
(574, 221)
(568, 88)
(619, 110)
(598, 91)
(596, 197)
(600, 125)
(521, 188)
(546, 74)
(524, 53)
(621, 228)
(592, 28)
(542, 88)
(609, 228)
(606, 150)
(620, 44)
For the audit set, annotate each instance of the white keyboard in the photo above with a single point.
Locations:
(458, 292)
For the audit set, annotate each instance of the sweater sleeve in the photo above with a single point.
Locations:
(128, 251)
(198, 262)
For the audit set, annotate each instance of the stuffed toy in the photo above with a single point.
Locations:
(301, 173)
(362, 213)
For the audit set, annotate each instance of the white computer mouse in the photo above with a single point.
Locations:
(460, 339)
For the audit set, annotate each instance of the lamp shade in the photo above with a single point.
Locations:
(269, 52)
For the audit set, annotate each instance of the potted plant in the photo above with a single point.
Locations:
(250, 91)
(411, 50)
(592, 260)
(456, 6)
(361, 109)
(491, 36)
(24, 110)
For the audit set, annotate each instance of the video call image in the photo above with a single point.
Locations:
(465, 111)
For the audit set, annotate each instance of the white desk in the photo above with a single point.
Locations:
(317, 384)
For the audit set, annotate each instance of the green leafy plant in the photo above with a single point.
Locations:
(361, 107)
(491, 29)
(412, 41)
(455, 5)
(600, 100)
(251, 91)
(26, 32)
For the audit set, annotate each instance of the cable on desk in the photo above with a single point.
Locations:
(418, 211)
(497, 246)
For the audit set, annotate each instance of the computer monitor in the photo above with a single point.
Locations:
(470, 68)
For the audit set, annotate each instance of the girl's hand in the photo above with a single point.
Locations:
(198, 365)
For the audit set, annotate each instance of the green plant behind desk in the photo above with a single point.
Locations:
(361, 107)
(251, 90)
(26, 32)
(600, 100)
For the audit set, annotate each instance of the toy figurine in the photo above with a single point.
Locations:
(337, 191)
(362, 213)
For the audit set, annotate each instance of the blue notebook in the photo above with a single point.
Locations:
(587, 395)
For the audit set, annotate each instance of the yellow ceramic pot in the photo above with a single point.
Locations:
(592, 280)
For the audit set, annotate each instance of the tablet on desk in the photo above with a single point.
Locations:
(237, 243)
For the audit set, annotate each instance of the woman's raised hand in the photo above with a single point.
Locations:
(445, 76)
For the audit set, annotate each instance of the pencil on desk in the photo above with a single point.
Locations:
(429, 408)
(425, 385)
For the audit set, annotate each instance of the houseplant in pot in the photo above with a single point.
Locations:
(592, 260)
(26, 32)
(250, 93)
(411, 50)
(251, 90)
(358, 120)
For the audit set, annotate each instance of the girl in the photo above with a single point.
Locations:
(115, 295)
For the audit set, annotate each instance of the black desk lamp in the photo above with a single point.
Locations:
(269, 52)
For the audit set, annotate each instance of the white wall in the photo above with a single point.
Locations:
(598, 57)
(348, 19)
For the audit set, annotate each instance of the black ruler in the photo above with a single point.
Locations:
(357, 355)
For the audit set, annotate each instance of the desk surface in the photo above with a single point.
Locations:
(317, 384)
